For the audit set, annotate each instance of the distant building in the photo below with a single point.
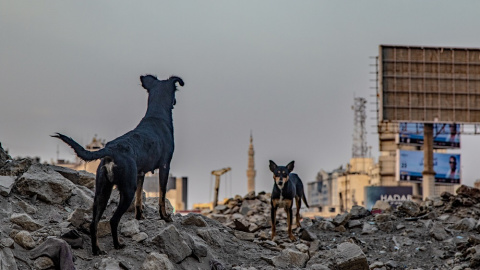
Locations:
(322, 194)
(177, 190)
(337, 191)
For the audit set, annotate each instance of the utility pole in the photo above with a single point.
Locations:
(217, 174)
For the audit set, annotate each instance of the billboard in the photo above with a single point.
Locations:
(393, 195)
(444, 135)
(429, 84)
(410, 167)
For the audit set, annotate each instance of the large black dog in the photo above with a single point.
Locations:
(287, 186)
(126, 159)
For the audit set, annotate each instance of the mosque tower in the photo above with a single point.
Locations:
(251, 167)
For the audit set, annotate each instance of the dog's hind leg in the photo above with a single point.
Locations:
(126, 184)
(298, 203)
(163, 181)
(103, 190)
(138, 197)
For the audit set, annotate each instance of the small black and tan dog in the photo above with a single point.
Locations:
(287, 187)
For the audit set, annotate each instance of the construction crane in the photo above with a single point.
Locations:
(217, 174)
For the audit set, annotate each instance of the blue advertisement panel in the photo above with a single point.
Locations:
(446, 167)
(444, 135)
(393, 195)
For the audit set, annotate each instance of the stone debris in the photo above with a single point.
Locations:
(41, 203)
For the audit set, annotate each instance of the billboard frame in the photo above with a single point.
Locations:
(429, 84)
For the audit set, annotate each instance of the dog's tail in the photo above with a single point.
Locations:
(305, 200)
(80, 151)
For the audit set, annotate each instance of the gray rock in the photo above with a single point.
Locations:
(354, 223)
(290, 258)
(308, 235)
(7, 260)
(24, 239)
(4, 157)
(199, 249)
(219, 217)
(29, 209)
(220, 208)
(385, 226)
(78, 217)
(82, 197)
(16, 167)
(170, 242)
(410, 208)
(341, 219)
(86, 179)
(358, 212)
(368, 228)
(438, 232)
(139, 237)
(383, 217)
(157, 261)
(194, 219)
(130, 228)
(241, 225)
(302, 247)
(6, 184)
(464, 225)
(210, 236)
(43, 263)
(350, 257)
(25, 221)
(244, 236)
(326, 226)
(103, 228)
(314, 247)
(376, 265)
(48, 185)
(110, 264)
(318, 267)
(7, 242)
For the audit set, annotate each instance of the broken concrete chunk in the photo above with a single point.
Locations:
(48, 185)
(157, 261)
(6, 184)
(350, 257)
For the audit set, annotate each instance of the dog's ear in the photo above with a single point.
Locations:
(272, 166)
(291, 165)
(147, 81)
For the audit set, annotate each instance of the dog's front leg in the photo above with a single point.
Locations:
(288, 209)
(273, 216)
(138, 197)
(163, 181)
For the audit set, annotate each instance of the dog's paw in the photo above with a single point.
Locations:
(168, 218)
(292, 238)
(119, 245)
(139, 216)
(97, 252)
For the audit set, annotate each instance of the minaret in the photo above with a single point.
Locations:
(251, 167)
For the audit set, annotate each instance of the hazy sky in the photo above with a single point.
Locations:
(286, 70)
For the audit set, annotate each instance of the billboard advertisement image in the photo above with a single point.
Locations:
(393, 195)
(444, 135)
(446, 167)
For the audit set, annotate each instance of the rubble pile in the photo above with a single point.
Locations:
(45, 213)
